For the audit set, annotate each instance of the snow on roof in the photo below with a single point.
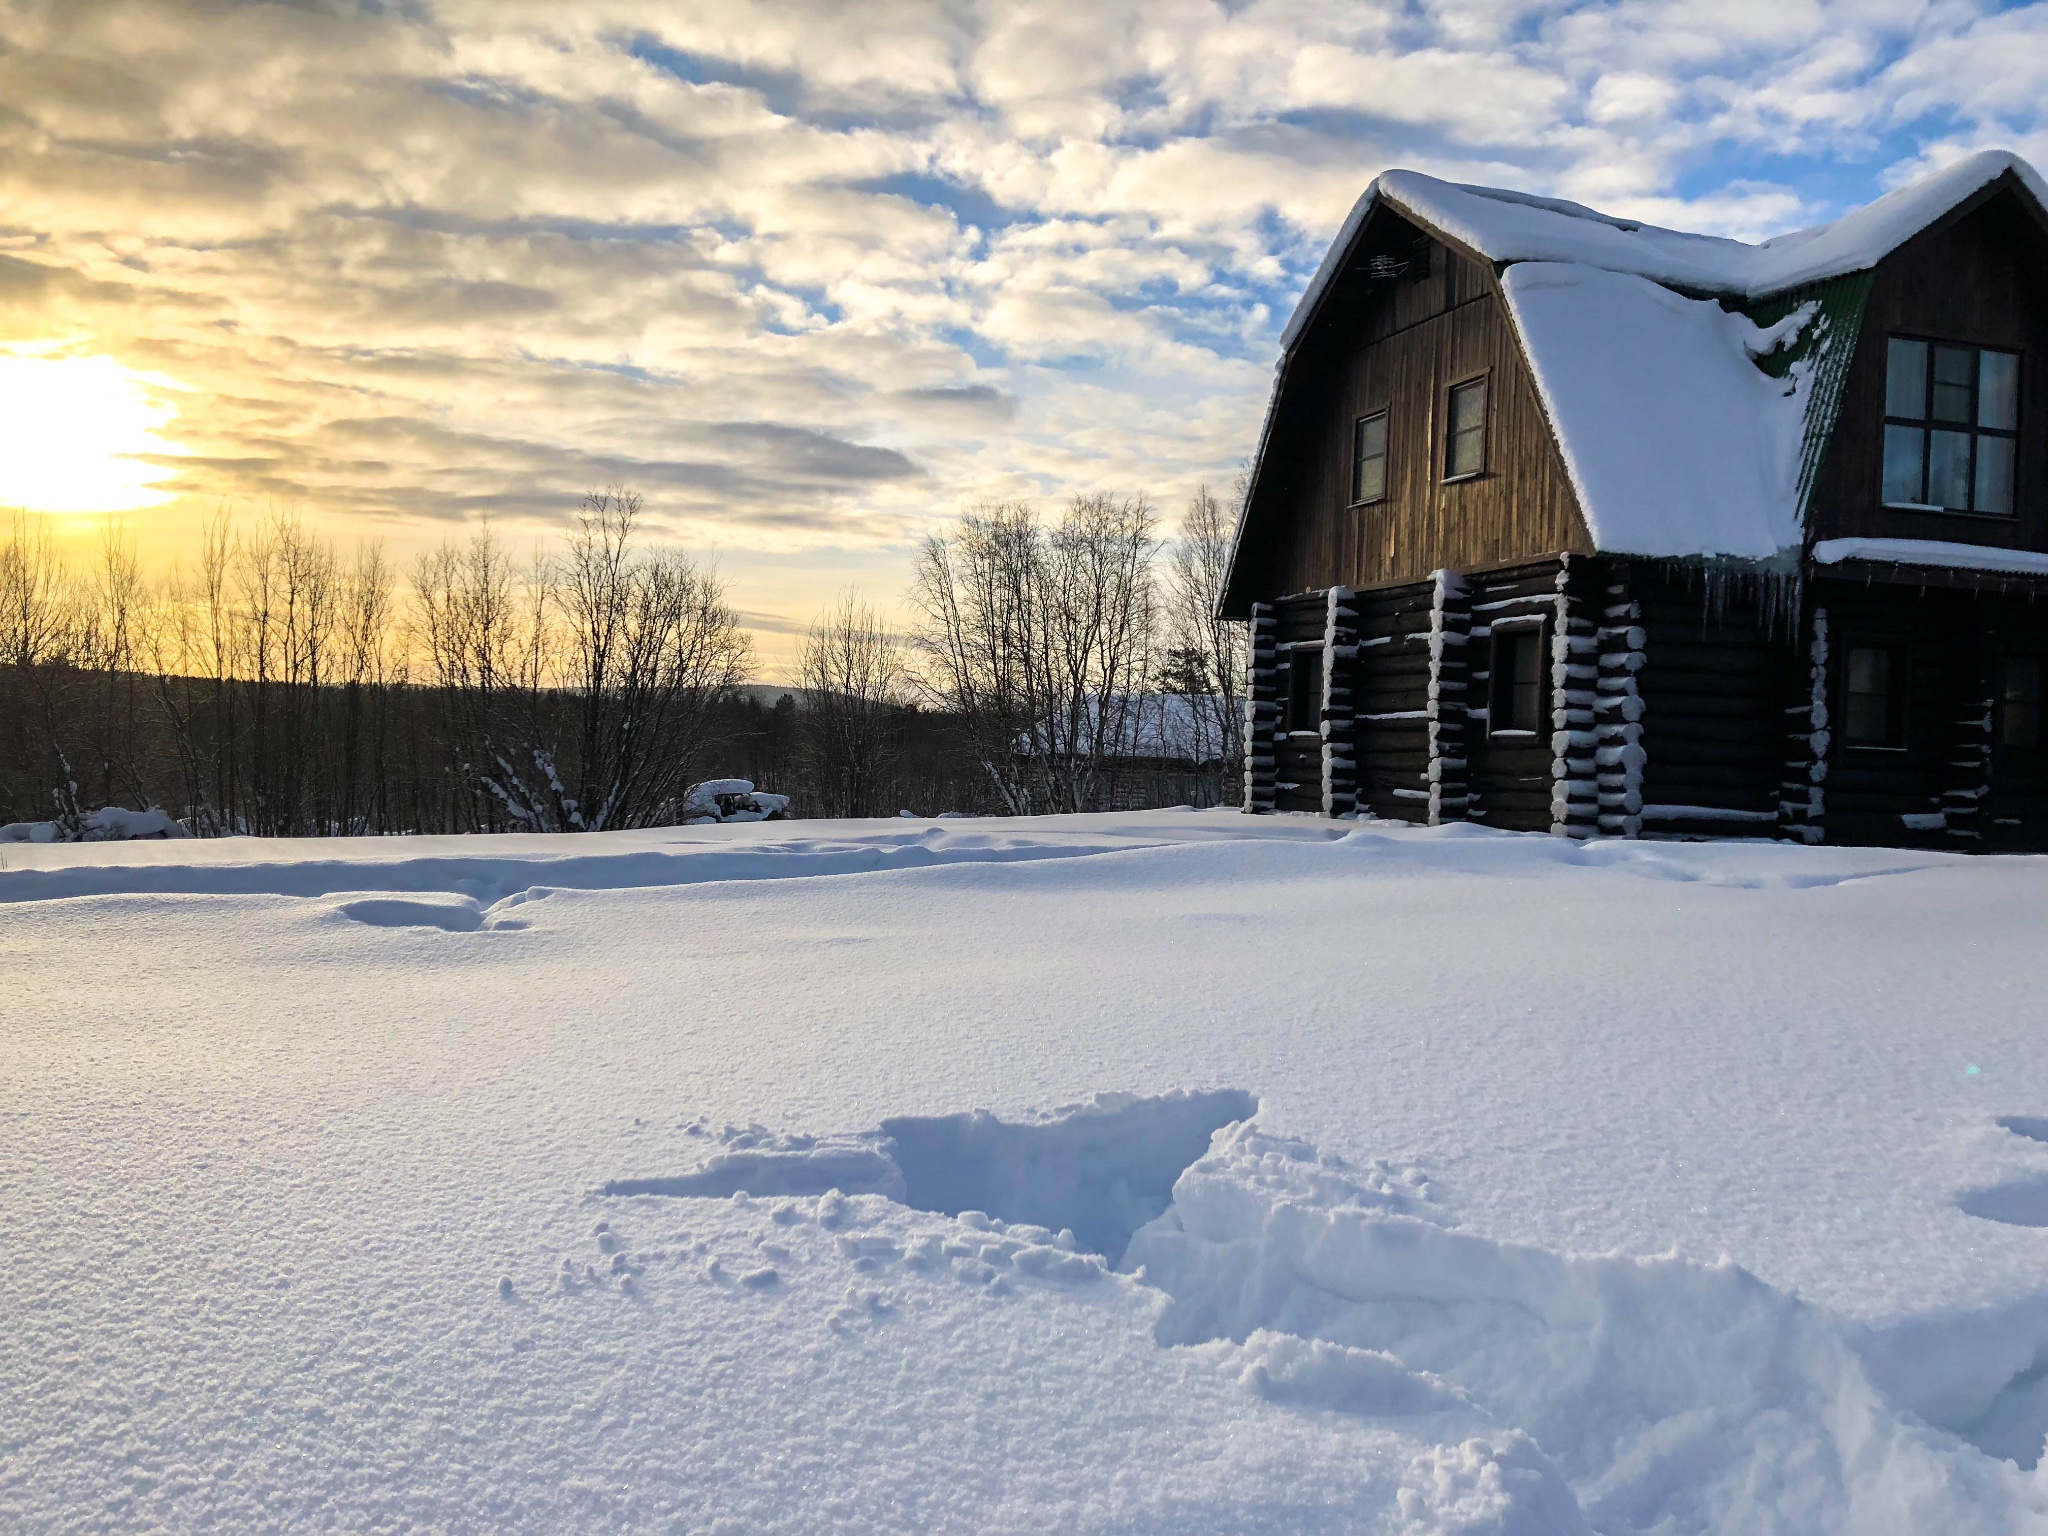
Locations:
(1505, 226)
(1932, 552)
(1677, 442)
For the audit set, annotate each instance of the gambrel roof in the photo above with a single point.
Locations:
(1691, 381)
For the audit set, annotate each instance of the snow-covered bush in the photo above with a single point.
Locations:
(108, 824)
(731, 800)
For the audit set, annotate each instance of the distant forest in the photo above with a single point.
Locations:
(277, 687)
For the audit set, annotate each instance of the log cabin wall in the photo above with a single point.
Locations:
(1975, 278)
(1524, 781)
(1715, 689)
(1949, 783)
(1400, 344)
(1391, 700)
(1300, 625)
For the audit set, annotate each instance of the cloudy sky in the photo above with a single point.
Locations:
(813, 276)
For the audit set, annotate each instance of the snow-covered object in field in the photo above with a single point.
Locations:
(108, 824)
(719, 800)
(1935, 553)
(1677, 443)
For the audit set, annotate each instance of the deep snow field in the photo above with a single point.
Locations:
(1168, 1172)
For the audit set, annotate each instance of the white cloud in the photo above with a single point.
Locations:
(819, 274)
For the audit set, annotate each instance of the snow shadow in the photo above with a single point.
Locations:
(464, 916)
(2017, 1203)
(1099, 1170)
(2033, 1127)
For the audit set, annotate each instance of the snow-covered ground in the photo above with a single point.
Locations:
(636, 1182)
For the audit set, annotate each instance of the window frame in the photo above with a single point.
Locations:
(1287, 700)
(1926, 424)
(2001, 707)
(1499, 684)
(1901, 693)
(1484, 379)
(1384, 414)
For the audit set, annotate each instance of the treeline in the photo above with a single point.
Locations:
(280, 687)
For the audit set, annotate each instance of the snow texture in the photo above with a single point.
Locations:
(108, 824)
(1938, 553)
(1677, 443)
(1505, 227)
(1417, 1180)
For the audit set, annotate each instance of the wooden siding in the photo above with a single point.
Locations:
(1512, 782)
(1521, 506)
(1979, 279)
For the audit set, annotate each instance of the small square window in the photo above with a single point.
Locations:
(1305, 691)
(1873, 696)
(2019, 701)
(1465, 452)
(1369, 458)
(1517, 689)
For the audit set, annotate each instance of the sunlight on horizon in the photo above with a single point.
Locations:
(71, 428)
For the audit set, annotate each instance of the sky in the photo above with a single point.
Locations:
(816, 277)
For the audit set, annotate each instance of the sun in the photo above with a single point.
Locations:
(72, 428)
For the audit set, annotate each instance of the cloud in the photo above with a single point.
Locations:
(815, 275)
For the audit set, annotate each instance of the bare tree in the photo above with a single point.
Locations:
(1206, 652)
(851, 671)
(1041, 640)
(653, 645)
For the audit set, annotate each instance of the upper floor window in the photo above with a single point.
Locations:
(1465, 449)
(1369, 458)
(1951, 424)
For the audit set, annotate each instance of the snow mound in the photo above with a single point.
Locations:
(1673, 1396)
(1096, 1171)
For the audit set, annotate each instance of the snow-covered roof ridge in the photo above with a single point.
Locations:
(1506, 226)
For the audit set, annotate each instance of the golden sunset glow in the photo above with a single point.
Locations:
(72, 430)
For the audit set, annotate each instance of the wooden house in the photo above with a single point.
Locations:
(1566, 522)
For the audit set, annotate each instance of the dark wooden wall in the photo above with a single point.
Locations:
(1981, 278)
(1715, 687)
(1400, 344)
(1952, 639)
(1297, 758)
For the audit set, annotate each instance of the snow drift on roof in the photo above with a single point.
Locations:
(1677, 443)
(1508, 226)
(1938, 553)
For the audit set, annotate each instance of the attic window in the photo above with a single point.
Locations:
(1465, 446)
(1369, 458)
(1951, 427)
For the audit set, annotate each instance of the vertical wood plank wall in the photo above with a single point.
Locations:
(1976, 280)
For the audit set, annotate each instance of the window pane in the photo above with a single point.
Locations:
(1948, 469)
(1998, 390)
(1304, 690)
(1903, 450)
(1994, 474)
(1955, 372)
(1467, 450)
(1529, 680)
(2019, 702)
(1905, 379)
(1869, 711)
(1369, 462)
